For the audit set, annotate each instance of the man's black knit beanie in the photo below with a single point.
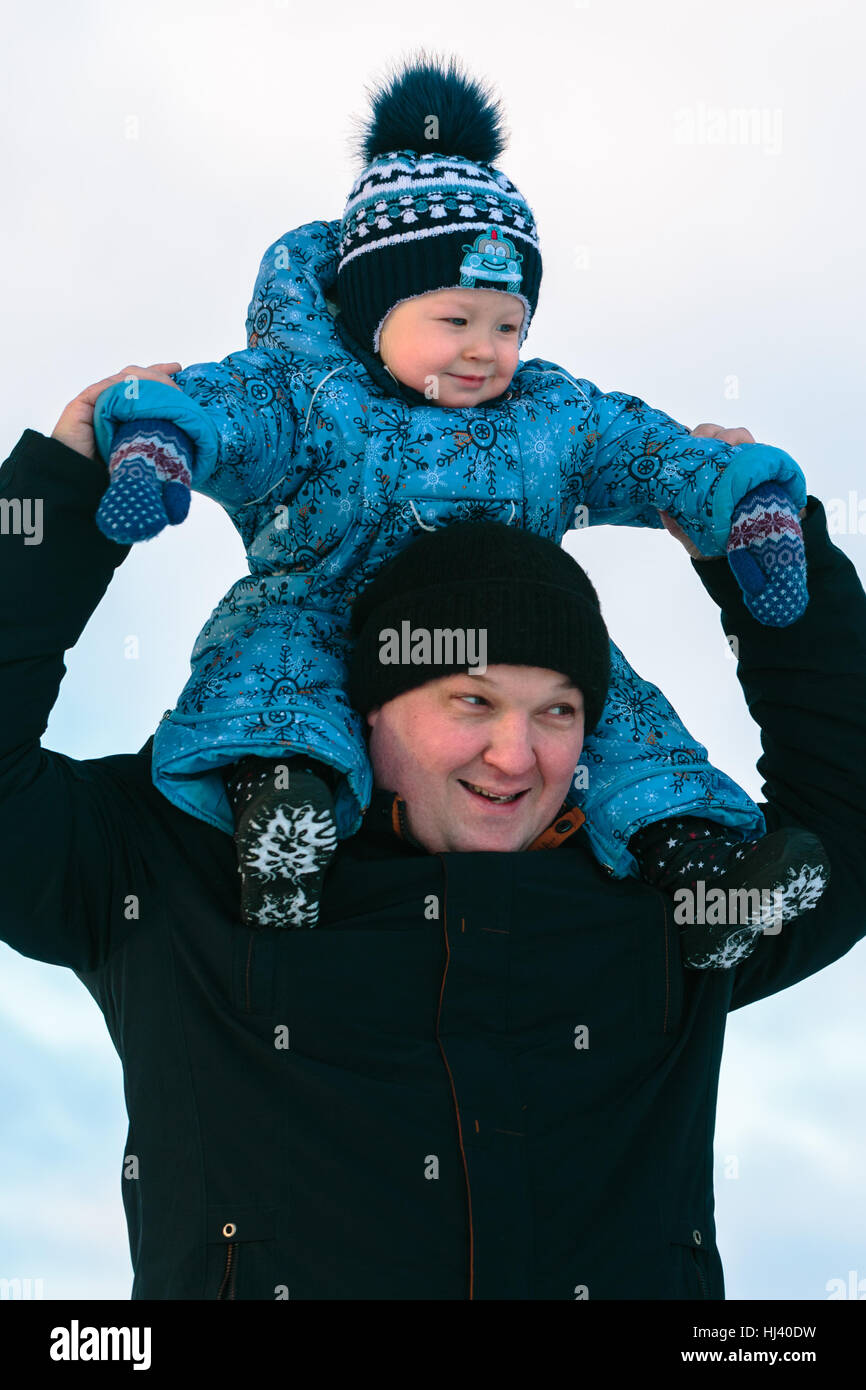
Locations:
(533, 602)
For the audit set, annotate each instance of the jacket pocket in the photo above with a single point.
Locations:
(254, 964)
(241, 1243)
(658, 972)
(694, 1259)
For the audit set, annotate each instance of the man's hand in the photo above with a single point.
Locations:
(75, 426)
(740, 435)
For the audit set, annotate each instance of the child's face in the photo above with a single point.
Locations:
(433, 340)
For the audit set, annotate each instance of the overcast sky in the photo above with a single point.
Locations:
(696, 174)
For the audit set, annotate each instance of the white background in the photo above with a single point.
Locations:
(711, 265)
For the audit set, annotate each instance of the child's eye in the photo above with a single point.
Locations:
(511, 327)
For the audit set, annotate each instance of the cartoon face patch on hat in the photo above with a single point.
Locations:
(491, 259)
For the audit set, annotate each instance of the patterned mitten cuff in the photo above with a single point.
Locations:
(766, 552)
(149, 481)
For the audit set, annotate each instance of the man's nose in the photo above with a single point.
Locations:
(510, 748)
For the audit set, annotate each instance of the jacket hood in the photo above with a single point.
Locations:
(308, 303)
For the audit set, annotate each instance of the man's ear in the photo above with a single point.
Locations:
(373, 715)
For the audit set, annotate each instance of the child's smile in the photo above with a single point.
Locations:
(457, 346)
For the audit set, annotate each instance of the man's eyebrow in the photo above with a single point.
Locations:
(564, 684)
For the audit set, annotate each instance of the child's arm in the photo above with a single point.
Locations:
(233, 434)
(230, 432)
(636, 461)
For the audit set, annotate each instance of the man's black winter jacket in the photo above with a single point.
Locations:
(482, 1076)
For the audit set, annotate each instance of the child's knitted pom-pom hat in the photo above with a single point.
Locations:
(429, 211)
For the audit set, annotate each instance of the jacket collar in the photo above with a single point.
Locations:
(390, 385)
(386, 816)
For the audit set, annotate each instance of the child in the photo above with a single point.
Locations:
(351, 424)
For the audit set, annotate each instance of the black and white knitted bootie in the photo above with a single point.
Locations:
(285, 837)
(763, 884)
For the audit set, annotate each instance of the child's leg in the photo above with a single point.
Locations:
(285, 833)
(642, 778)
(641, 765)
(268, 679)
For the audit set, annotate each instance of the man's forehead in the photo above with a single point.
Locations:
(502, 674)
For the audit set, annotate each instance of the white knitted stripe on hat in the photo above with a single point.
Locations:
(432, 179)
(422, 232)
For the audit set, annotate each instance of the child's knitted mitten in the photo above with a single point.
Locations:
(768, 557)
(149, 481)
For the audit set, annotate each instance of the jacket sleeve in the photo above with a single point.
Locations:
(238, 413)
(805, 686)
(637, 461)
(63, 861)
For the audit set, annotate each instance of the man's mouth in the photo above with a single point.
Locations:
(496, 798)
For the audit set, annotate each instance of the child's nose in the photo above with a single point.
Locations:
(483, 345)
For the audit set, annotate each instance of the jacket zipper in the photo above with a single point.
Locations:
(667, 965)
(701, 1280)
(453, 1089)
(229, 1272)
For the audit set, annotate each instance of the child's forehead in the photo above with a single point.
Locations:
(473, 299)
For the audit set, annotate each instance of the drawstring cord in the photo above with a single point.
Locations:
(306, 425)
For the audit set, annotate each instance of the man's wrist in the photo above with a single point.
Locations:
(85, 479)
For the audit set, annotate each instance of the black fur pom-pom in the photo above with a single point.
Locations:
(430, 105)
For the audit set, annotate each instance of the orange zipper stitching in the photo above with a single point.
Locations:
(227, 1271)
(453, 1090)
(697, 1263)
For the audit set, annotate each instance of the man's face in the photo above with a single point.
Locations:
(514, 729)
(452, 333)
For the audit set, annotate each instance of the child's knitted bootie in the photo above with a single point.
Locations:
(764, 883)
(285, 837)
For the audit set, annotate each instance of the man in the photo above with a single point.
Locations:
(485, 1074)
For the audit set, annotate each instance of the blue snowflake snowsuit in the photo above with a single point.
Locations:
(326, 475)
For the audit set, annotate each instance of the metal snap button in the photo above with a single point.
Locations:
(696, 1237)
(229, 1229)
(562, 826)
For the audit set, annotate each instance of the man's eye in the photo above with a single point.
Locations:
(569, 709)
(472, 697)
